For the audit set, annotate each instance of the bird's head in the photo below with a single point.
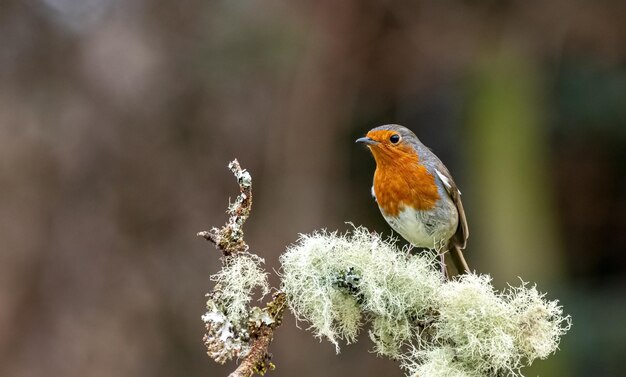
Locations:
(391, 143)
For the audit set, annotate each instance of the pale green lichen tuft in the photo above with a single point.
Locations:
(228, 307)
(236, 283)
(540, 323)
(330, 279)
(462, 327)
(437, 362)
(310, 279)
(474, 318)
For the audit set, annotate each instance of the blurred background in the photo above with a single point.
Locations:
(118, 118)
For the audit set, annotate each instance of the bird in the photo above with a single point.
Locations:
(416, 194)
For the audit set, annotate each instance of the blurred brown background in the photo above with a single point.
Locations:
(117, 120)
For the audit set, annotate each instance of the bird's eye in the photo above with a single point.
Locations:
(395, 138)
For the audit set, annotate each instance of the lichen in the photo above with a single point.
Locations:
(221, 339)
(236, 283)
(233, 328)
(437, 362)
(540, 323)
(479, 323)
(228, 306)
(457, 328)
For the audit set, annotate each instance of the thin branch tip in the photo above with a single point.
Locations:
(204, 234)
(229, 239)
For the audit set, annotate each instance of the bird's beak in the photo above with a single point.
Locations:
(366, 140)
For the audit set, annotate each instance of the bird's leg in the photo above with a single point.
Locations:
(457, 258)
(441, 250)
(442, 265)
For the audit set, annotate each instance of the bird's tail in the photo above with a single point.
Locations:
(456, 253)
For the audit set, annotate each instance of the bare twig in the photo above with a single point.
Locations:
(229, 336)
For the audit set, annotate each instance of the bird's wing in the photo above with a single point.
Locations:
(462, 232)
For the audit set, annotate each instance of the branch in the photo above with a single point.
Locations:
(435, 327)
(258, 360)
(229, 239)
(233, 328)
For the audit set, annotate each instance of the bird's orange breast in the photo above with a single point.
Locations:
(400, 180)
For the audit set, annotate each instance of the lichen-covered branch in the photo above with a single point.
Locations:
(229, 238)
(234, 329)
(461, 327)
(258, 359)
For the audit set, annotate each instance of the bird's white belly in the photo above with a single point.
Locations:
(423, 228)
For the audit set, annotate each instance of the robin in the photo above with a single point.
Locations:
(416, 193)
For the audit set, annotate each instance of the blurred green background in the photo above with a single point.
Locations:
(117, 120)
